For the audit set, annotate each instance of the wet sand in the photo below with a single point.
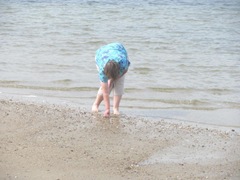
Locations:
(48, 141)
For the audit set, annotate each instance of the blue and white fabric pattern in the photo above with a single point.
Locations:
(115, 52)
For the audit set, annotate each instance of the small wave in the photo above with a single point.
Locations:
(4, 82)
(170, 108)
(170, 90)
(63, 81)
(232, 105)
(91, 3)
(52, 88)
(131, 89)
(209, 90)
(142, 70)
(193, 102)
(53, 68)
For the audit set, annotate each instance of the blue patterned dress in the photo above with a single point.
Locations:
(113, 51)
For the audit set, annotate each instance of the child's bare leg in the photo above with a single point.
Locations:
(97, 102)
(116, 102)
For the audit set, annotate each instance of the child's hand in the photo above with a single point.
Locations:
(107, 113)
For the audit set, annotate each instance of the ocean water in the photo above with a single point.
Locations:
(185, 55)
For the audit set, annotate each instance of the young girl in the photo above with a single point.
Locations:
(112, 64)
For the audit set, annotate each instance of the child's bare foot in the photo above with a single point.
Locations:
(94, 108)
(116, 111)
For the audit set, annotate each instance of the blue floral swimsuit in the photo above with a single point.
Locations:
(113, 51)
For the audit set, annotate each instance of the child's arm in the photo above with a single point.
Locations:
(106, 99)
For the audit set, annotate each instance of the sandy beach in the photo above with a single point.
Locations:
(48, 141)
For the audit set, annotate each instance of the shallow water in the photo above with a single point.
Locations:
(185, 55)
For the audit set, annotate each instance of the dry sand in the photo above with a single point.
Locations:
(47, 141)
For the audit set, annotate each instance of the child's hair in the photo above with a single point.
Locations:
(112, 69)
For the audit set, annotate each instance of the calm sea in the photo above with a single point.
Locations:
(185, 54)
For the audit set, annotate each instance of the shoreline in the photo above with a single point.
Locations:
(49, 141)
(219, 117)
